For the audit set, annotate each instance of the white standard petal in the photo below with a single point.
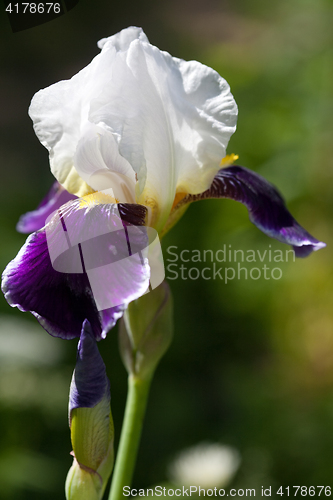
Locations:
(98, 162)
(173, 120)
(57, 121)
(60, 115)
(60, 112)
(170, 120)
(123, 39)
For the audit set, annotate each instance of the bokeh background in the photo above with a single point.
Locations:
(251, 364)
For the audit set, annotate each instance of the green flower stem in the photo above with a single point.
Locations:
(137, 397)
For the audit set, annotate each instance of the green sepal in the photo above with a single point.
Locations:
(82, 484)
(146, 330)
(92, 435)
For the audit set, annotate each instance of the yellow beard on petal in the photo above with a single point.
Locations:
(153, 207)
(228, 160)
(181, 203)
(96, 199)
(178, 206)
(178, 198)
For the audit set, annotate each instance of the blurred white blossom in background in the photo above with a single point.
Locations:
(207, 465)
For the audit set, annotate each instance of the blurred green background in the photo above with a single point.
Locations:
(251, 364)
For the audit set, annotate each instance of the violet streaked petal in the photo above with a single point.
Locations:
(61, 301)
(35, 220)
(88, 236)
(267, 209)
(89, 383)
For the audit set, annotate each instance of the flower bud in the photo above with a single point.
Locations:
(146, 330)
(91, 424)
(82, 483)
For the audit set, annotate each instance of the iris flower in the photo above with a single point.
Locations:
(153, 129)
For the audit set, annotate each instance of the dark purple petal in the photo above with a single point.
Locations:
(267, 209)
(60, 301)
(32, 221)
(62, 295)
(89, 383)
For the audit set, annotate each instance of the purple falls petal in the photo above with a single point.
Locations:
(60, 295)
(267, 209)
(60, 301)
(89, 383)
(34, 220)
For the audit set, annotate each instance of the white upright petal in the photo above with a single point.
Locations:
(98, 162)
(164, 119)
(123, 39)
